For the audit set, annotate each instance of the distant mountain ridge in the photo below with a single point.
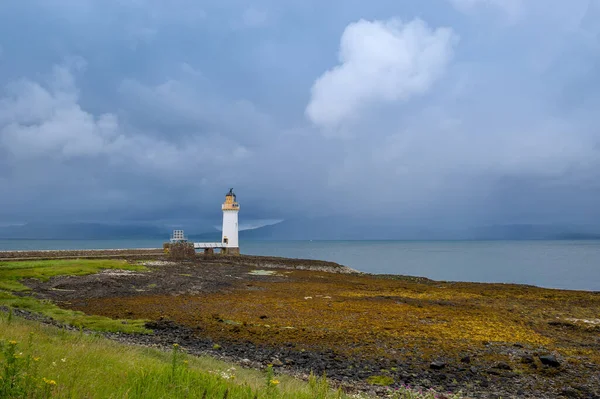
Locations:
(305, 229)
(81, 231)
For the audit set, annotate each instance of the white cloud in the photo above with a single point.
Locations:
(380, 61)
(37, 120)
(46, 121)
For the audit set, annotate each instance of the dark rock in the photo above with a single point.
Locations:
(425, 382)
(570, 393)
(277, 362)
(527, 359)
(582, 388)
(502, 366)
(466, 359)
(437, 365)
(549, 360)
(517, 345)
(562, 324)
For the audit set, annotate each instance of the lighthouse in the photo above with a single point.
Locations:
(230, 209)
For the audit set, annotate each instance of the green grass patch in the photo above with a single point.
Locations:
(12, 272)
(382, 380)
(38, 360)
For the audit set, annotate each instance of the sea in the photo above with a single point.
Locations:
(573, 265)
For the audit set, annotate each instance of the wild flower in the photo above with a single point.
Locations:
(18, 373)
(274, 382)
(49, 382)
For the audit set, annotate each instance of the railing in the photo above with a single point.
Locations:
(200, 245)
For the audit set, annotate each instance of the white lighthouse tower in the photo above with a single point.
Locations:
(230, 208)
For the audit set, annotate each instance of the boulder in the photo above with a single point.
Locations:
(549, 360)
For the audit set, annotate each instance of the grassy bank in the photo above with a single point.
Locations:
(13, 293)
(39, 361)
(44, 361)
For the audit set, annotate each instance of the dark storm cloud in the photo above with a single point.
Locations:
(450, 112)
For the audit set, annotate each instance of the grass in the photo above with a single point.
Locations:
(39, 361)
(12, 272)
(13, 293)
(44, 361)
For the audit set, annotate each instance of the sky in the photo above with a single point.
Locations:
(430, 112)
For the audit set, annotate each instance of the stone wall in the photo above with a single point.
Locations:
(180, 250)
(83, 253)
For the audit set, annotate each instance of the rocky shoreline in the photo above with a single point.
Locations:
(242, 309)
(269, 262)
(346, 374)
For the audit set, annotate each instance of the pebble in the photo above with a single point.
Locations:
(527, 359)
(276, 362)
(570, 393)
(502, 366)
(437, 365)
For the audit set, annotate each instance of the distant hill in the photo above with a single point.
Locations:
(306, 229)
(332, 229)
(81, 231)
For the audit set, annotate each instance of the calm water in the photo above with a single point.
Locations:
(555, 264)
